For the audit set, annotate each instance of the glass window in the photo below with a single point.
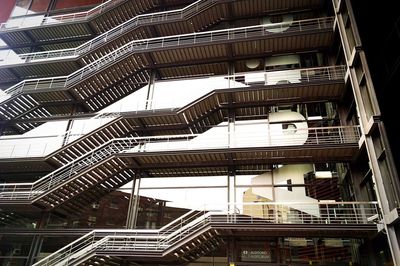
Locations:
(21, 8)
(39, 6)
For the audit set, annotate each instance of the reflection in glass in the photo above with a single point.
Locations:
(21, 8)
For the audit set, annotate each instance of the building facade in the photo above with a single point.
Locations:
(208, 132)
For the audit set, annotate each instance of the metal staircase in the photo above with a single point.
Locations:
(197, 16)
(116, 128)
(180, 239)
(62, 62)
(63, 33)
(323, 82)
(99, 19)
(72, 179)
(85, 176)
(208, 110)
(111, 165)
(105, 80)
(144, 242)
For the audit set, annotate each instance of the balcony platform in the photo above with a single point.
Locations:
(105, 81)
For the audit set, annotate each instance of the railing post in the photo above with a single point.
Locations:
(12, 151)
(329, 74)
(29, 148)
(302, 217)
(355, 212)
(335, 217)
(69, 254)
(30, 192)
(13, 192)
(327, 211)
(50, 182)
(37, 84)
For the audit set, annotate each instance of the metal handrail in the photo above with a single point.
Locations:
(237, 80)
(241, 80)
(267, 77)
(97, 237)
(303, 25)
(42, 145)
(71, 17)
(181, 230)
(139, 46)
(306, 136)
(131, 24)
(293, 76)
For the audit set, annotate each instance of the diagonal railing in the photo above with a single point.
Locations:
(64, 18)
(13, 148)
(192, 224)
(169, 42)
(137, 21)
(148, 239)
(33, 191)
(23, 192)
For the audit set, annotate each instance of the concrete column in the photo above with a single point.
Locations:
(373, 131)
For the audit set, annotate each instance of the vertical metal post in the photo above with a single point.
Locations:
(231, 192)
(37, 240)
(231, 251)
(133, 209)
(36, 245)
(69, 127)
(150, 91)
(231, 143)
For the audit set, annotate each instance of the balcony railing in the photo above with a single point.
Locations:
(284, 137)
(41, 146)
(131, 24)
(177, 40)
(329, 73)
(185, 228)
(169, 42)
(41, 20)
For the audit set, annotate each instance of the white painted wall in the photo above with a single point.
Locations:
(250, 133)
(295, 172)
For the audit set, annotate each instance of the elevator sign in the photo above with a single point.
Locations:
(256, 255)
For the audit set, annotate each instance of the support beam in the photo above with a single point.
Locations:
(133, 209)
(150, 91)
(384, 171)
(231, 143)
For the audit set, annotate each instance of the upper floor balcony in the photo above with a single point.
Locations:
(126, 69)
(62, 62)
(42, 29)
(191, 235)
(248, 149)
(246, 93)
(111, 13)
